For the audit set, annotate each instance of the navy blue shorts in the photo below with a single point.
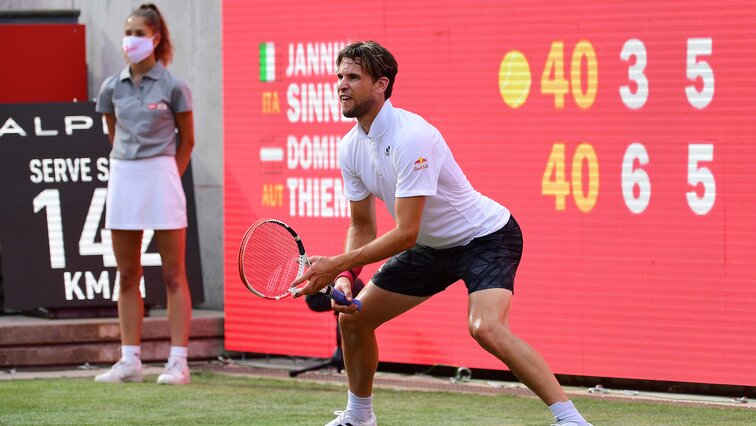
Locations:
(486, 262)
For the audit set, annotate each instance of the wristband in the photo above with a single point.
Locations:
(350, 274)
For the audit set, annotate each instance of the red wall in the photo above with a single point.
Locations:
(632, 268)
(43, 63)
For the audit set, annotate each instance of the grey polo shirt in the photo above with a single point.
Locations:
(145, 124)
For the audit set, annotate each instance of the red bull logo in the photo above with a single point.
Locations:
(421, 163)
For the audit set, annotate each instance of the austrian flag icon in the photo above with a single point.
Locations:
(421, 163)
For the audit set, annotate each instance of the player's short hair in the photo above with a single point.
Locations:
(374, 59)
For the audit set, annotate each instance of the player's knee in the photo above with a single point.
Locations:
(485, 330)
(346, 324)
(350, 324)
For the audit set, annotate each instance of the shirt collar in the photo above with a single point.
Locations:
(155, 73)
(381, 122)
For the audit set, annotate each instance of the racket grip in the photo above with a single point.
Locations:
(339, 297)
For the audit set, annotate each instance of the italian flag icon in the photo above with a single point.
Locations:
(267, 62)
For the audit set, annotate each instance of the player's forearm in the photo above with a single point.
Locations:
(359, 236)
(395, 241)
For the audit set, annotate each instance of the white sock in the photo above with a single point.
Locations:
(566, 412)
(361, 408)
(130, 353)
(178, 353)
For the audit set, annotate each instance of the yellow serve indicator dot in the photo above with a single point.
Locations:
(514, 79)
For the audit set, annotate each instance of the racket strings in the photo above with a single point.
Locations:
(280, 275)
(271, 260)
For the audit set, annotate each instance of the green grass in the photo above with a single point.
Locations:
(231, 400)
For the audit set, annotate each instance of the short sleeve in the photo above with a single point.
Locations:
(354, 187)
(105, 97)
(418, 163)
(181, 97)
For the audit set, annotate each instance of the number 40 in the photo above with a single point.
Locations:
(554, 180)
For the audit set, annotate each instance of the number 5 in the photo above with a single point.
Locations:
(701, 175)
(699, 69)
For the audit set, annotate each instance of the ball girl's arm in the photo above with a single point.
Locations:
(185, 126)
(110, 121)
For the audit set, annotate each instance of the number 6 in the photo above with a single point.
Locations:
(632, 177)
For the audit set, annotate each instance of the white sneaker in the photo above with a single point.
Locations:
(346, 419)
(558, 423)
(122, 371)
(175, 373)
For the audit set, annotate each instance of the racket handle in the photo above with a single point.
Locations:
(339, 297)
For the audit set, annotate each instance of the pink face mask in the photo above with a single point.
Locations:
(137, 49)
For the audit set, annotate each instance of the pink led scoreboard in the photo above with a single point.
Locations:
(622, 135)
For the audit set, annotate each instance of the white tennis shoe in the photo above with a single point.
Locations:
(175, 373)
(122, 371)
(558, 423)
(344, 418)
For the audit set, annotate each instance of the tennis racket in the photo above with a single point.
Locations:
(271, 257)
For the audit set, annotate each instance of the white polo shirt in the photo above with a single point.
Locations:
(404, 156)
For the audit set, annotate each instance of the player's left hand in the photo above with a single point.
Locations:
(343, 285)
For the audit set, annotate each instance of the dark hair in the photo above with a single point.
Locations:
(151, 15)
(374, 59)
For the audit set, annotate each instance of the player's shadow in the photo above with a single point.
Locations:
(321, 303)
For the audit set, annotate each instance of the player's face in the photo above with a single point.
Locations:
(356, 90)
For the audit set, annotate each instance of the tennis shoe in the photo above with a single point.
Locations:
(122, 371)
(345, 418)
(175, 373)
(570, 423)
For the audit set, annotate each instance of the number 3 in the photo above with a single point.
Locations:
(635, 73)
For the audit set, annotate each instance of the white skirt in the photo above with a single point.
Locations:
(145, 194)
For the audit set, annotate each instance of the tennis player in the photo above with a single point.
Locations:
(444, 231)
